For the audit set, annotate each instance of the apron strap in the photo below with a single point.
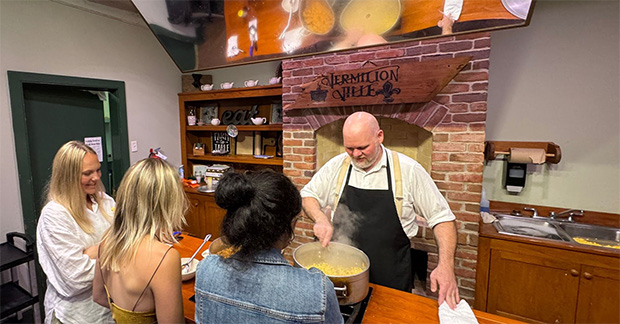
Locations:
(343, 171)
(398, 185)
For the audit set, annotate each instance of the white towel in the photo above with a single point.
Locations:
(487, 218)
(461, 315)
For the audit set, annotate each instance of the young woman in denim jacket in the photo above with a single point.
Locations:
(256, 284)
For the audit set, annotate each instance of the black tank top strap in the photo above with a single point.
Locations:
(152, 276)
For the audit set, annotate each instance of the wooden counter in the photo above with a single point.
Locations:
(489, 231)
(386, 305)
(546, 281)
(186, 248)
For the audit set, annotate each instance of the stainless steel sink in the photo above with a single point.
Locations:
(591, 233)
(557, 230)
(533, 227)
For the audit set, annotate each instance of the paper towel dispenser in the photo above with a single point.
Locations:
(538, 152)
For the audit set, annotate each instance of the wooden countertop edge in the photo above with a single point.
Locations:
(488, 230)
(386, 305)
(195, 191)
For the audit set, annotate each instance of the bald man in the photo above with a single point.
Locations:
(365, 193)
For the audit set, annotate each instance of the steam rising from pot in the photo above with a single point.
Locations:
(345, 225)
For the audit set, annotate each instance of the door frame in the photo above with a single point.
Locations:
(118, 121)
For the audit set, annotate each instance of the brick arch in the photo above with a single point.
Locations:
(455, 117)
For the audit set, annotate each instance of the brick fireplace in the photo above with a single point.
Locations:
(447, 133)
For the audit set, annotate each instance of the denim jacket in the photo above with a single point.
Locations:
(263, 289)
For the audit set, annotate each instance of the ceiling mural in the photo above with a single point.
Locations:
(203, 34)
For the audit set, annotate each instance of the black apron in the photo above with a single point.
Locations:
(368, 218)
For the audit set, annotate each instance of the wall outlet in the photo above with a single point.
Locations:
(134, 146)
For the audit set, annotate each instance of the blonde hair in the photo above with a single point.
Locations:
(150, 202)
(65, 185)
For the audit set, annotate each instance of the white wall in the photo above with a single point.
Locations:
(557, 80)
(237, 74)
(51, 38)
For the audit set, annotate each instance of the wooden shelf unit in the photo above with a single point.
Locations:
(233, 100)
(241, 128)
(204, 216)
(236, 158)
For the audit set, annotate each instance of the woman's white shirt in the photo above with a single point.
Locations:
(70, 272)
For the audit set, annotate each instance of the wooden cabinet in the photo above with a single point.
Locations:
(599, 294)
(203, 216)
(236, 102)
(542, 284)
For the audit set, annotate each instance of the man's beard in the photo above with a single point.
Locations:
(366, 162)
(362, 164)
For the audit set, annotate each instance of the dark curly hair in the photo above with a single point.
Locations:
(260, 209)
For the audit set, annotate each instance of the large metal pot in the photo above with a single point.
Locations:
(349, 289)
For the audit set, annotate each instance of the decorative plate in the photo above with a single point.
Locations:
(232, 130)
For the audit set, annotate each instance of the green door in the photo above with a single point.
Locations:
(50, 110)
(54, 116)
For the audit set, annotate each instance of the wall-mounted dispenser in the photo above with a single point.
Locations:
(514, 177)
(518, 155)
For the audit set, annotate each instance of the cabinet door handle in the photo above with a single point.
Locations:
(195, 204)
(574, 272)
(587, 275)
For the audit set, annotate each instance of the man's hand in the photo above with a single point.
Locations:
(324, 230)
(448, 289)
(443, 275)
(92, 251)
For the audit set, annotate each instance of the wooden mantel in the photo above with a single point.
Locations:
(414, 82)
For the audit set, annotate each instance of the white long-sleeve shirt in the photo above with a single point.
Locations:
(70, 272)
(421, 195)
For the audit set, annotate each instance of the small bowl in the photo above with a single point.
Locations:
(189, 273)
(216, 246)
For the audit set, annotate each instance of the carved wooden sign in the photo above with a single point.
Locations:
(413, 82)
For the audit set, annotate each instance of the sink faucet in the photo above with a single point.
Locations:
(570, 212)
(534, 212)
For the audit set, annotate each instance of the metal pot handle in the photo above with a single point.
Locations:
(342, 289)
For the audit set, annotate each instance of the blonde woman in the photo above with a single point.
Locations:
(138, 273)
(72, 223)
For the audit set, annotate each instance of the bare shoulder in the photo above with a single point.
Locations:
(161, 250)
(168, 256)
(170, 268)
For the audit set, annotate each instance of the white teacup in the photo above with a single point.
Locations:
(215, 121)
(206, 87)
(226, 85)
(259, 120)
(250, 83)
(275, 80)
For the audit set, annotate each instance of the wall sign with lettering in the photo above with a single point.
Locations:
(220, 143)
(240, 116)
(414, 82)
